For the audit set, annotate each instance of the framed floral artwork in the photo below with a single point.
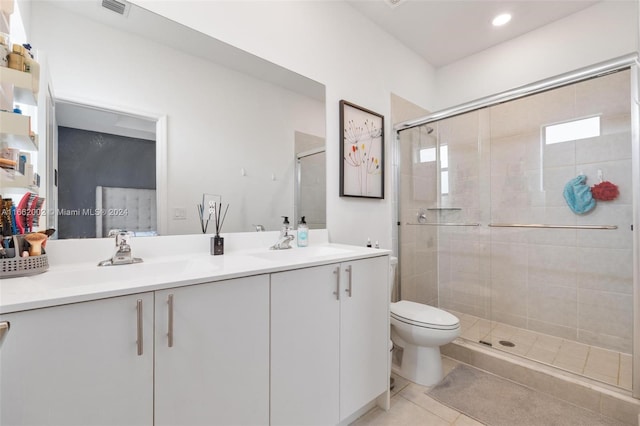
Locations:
(361, 152)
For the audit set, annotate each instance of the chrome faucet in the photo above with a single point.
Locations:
(283, 242)
(123, 255)
(285, 238)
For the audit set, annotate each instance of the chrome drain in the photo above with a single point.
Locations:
(507, 343)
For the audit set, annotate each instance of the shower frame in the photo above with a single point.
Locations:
(631, 62)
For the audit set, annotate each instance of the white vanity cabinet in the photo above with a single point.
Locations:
(329, 341)
(287, 342)
(212, 353)
(87, 363)
(364, 333)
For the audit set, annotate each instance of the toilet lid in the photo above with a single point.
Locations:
(423, 315)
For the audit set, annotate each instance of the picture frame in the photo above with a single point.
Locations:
(361, 152)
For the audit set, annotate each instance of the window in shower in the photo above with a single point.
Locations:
(572, 130)
(428, 155)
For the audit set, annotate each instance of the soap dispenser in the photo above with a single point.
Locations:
(303, 233)
(286, 227)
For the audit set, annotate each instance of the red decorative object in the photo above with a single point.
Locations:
(605, 191)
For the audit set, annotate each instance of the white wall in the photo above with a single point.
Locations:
(330, 42)
(219, 120)
(604, 31)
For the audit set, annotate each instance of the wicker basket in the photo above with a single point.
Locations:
(23, 266)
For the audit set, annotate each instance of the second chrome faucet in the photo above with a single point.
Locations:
(284, 241)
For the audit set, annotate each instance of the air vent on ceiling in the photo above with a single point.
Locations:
(119, 7)
(394, 3)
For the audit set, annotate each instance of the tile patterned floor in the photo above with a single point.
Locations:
(411, 406)
(607, 366)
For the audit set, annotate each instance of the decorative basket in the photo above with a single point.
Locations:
(23, 266)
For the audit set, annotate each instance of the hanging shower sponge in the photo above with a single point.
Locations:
(605, 191)
(578, 195)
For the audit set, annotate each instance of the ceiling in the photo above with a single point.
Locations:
(141, 22)
(100, 120)
(444, 31)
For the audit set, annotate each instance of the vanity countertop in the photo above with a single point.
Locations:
(82, 280)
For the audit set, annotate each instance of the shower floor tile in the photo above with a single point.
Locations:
(604, 365)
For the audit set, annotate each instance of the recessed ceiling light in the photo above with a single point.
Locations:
(501, 19)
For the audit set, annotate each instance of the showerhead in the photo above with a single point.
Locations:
(429, 130)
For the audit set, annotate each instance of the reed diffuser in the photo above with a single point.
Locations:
(204, 224)
(217, 242)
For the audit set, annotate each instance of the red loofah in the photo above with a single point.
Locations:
(605, 191)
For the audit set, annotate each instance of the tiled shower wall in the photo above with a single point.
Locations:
(574, 284)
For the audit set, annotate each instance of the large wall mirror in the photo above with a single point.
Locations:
(200, 115)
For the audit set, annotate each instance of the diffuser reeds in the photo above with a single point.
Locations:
(219, 217)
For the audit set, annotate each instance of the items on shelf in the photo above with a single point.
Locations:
(4, 50)
(16, 58)
(22, 249)
(22, 218)
(9, 158)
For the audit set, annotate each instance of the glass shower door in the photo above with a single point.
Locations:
(562, 277)
(311, 188)
(461, 211)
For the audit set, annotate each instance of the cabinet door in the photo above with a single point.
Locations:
(79, 364)
(305, 338)
(364, 333)
(215, 371)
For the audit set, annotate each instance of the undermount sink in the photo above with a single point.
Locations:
(300, 252)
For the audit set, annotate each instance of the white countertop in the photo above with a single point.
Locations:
(75, 277)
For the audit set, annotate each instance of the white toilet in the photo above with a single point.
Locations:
(420, 330)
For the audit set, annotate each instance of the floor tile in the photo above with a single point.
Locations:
(570, 363)
(399, 383)
(549, 343)
(525, 336)
(539, 354)
(402, 412)
(463, 420)
(410, 405)
(416, 394)
(448, 364)
(573, 349)
(601, 377)
(600, 364)
(624, 375)
(503, 331)
(519, 348)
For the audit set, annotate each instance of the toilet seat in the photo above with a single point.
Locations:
(424, 316)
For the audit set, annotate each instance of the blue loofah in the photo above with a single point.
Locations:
(578, 195)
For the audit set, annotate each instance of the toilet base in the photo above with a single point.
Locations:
(421, 365)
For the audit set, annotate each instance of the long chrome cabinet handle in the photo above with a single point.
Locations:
(140, 337)
(349, 289)
(4, 327)
(170, 331)
(337, 292)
